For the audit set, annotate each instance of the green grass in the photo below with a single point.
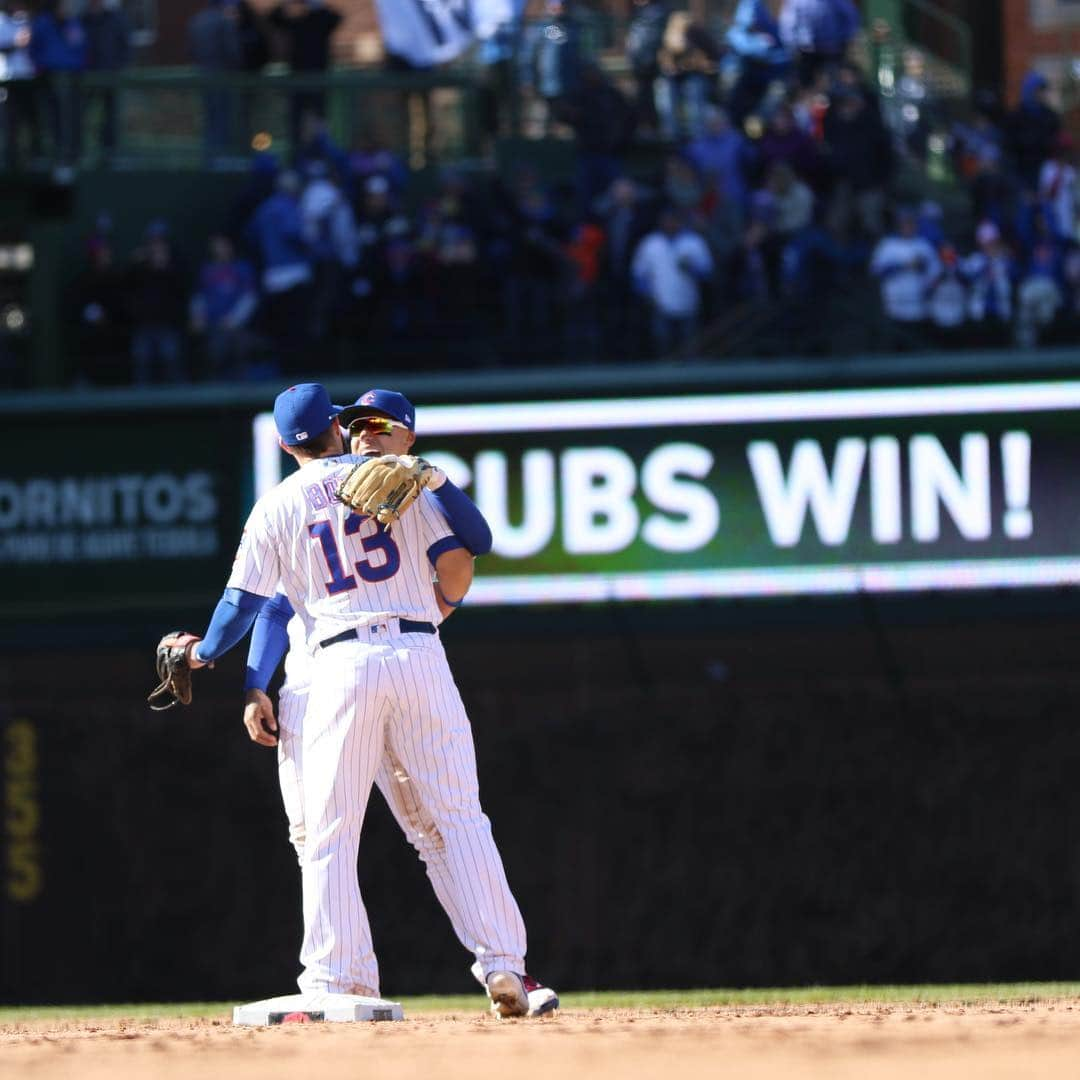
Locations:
(971, 993)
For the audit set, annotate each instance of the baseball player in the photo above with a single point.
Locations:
(278, 633)
(381, 695)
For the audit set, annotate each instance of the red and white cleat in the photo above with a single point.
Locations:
(512, 994)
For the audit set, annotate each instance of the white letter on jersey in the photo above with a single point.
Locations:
(659, 481)
(599, 514)
(966, 496)
(831, 498)
(538, 495)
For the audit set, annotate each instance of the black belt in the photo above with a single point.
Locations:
(406, 626)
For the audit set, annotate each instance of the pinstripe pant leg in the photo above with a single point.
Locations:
(429, 733)
(396, 787)
(292, 703)
(342, 746)
(403, 798)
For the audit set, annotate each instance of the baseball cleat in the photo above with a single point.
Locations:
(542, 999)
(515, 995)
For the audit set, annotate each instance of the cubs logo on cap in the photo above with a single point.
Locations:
(381, 403)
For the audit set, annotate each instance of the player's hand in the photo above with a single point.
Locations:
(259, 718)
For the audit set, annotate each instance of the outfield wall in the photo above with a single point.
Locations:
(848, 756)
(681, 798)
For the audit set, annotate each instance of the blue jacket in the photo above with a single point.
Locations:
(752, 20)
(222, 286)
(56, 45)
(277, 232)
(729, 157)
(818, 25)
(1034, 82)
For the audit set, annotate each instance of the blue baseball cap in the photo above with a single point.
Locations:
(303, 412)
(381, 403)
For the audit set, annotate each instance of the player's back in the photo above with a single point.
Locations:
(339, 568)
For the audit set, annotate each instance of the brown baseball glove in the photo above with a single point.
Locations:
(174, 671)
(385, 487)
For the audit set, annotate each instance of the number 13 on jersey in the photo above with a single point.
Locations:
(379, 556)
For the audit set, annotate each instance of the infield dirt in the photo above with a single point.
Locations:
(836, 1041)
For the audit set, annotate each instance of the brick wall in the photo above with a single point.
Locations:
(1041, 34)
(353, 42)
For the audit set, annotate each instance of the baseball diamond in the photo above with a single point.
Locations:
(871, 1034)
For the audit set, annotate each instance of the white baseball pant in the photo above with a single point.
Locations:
(386, 710)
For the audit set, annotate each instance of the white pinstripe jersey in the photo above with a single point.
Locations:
(297, 659)
(339, 569)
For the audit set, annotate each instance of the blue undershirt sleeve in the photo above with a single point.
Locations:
(447, 543)
(464, 517)
(232, 619)
(269, 642)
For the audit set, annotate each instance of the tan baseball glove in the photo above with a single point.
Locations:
(385, 487)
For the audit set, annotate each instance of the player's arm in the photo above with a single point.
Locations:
(462, 515)
(232, 619)
(269, 643)
(453, 556)
(453, 578)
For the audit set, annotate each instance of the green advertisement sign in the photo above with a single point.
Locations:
(824, 491)
(759, 494)
(121, 511)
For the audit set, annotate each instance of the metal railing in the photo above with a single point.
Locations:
(179, 118)
(944, 35)
(919, 39)
(183, 118)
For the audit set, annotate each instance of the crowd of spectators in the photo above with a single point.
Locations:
(46, 45)
(1010, 272)
(772, 181)
(1016, 275)
(229, 37)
